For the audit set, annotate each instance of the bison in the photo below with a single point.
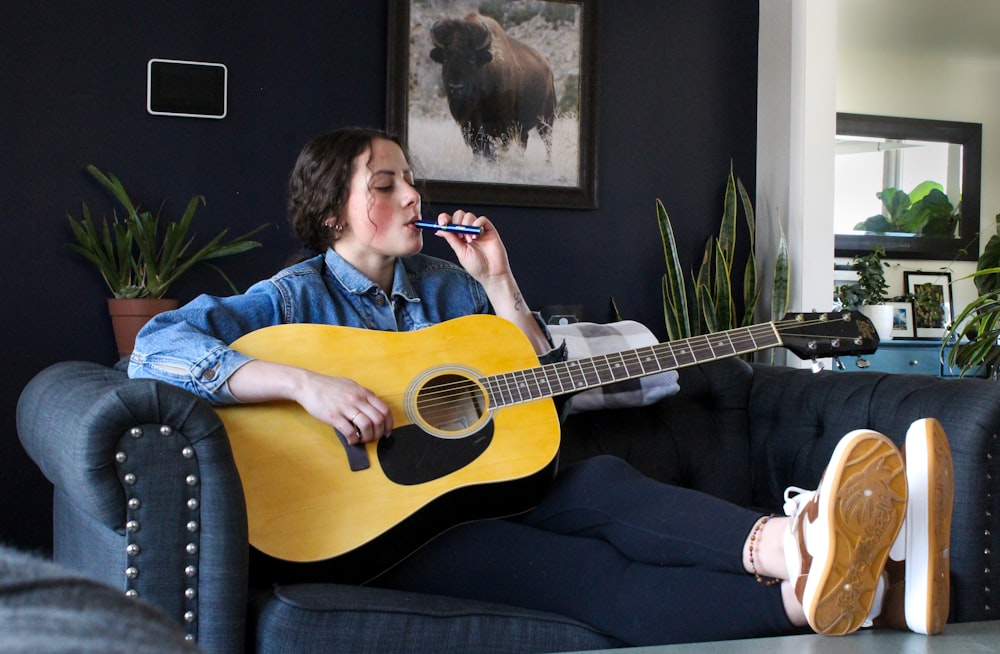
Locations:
(498, 88)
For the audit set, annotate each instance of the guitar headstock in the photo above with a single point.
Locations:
(831, 334)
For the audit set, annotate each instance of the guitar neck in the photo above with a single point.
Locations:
(575, 375)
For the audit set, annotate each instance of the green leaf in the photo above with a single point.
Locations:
(140, 255)
(779, 285)
(674, 291)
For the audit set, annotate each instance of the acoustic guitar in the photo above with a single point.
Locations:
(476, 434)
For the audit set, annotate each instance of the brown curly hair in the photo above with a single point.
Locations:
(319, 185)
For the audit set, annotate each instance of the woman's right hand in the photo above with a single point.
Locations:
(350, 408)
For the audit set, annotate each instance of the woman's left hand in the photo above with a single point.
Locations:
(483, 256)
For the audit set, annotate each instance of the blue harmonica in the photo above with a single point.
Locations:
(458, 229)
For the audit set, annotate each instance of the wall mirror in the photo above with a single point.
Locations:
(907, 185)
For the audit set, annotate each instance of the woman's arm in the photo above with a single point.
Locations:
(355, 411)
(485, 258)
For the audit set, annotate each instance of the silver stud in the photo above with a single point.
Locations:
(189, 638)
(132, 549)
(135, 432)
(190, 593)
(191, 549)
(189, 616)
(132, 572)
(131, 592)
(132, 526)
(190, 570)
(165, 430)
(130, 479)
(134, 503)
(187, 452)
(121, 457)
(192, 480)
(192, 526)
(193, 504)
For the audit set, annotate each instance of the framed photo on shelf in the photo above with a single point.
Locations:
(932, 302)
(435, 102)
(902, 319)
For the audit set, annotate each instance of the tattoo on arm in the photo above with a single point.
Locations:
(518, 301)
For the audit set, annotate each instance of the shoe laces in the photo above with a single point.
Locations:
(795, 499)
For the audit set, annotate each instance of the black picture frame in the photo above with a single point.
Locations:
(970, 136)
(409, 27)
(930, 322)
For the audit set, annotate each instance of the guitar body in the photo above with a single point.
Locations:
(312, 497)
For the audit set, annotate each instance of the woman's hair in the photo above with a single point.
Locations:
(321, 181)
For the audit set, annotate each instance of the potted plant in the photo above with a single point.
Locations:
(868, 294)
(925, 211)
(979, 321)
(709, 304)
(140, 257)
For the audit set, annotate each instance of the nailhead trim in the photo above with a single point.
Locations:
(133, 505)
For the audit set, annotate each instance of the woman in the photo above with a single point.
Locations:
(651, 571)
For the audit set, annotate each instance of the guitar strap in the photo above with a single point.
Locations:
(357, 455)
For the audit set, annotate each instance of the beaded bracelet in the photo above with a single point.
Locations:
(753, 546)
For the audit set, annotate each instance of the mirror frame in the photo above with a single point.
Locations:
(970, 136)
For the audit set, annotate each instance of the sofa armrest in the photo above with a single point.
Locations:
(797, 417)
(147, 495)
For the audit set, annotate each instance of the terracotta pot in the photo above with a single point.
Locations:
(128, 316)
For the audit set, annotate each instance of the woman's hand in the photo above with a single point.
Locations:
(483, 256)
(342, 403)
(352, 409)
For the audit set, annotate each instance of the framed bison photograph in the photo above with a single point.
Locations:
(495, 99)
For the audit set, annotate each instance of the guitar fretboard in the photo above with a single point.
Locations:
(581, 374)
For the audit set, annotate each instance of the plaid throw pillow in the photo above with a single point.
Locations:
(587, 339)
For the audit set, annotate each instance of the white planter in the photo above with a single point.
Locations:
(881, 317)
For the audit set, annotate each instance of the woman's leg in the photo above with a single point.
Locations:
(592, 581)
(648, 521)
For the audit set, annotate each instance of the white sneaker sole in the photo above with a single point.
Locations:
(849, 528)
(928, 526)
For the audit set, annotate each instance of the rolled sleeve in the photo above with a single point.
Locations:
(207, 378)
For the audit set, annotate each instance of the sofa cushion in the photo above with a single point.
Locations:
(317, 617)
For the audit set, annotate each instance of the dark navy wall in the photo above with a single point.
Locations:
(677, 101)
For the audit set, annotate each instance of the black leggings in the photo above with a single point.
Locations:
(645, 562)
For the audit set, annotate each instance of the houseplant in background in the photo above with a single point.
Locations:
(979, 321)
(140, 256)
(709, 305)
(925, 211)
(868, 294)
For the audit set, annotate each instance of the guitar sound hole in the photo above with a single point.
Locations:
(450, 404)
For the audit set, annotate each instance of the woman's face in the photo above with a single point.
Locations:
(382, 205)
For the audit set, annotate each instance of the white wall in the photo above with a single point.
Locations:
(796, 126)
(938, 88)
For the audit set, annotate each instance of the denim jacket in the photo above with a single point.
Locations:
(189, 347)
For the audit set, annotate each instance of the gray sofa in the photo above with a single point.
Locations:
(148, 499)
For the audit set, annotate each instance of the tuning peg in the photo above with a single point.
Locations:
(863, 363)
(817, 365)
(838, 363)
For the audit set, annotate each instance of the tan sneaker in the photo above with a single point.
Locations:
(919, 568)
(840, 534)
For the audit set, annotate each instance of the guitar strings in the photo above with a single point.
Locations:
(563, 377)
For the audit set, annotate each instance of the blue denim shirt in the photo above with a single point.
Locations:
(189, 347)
